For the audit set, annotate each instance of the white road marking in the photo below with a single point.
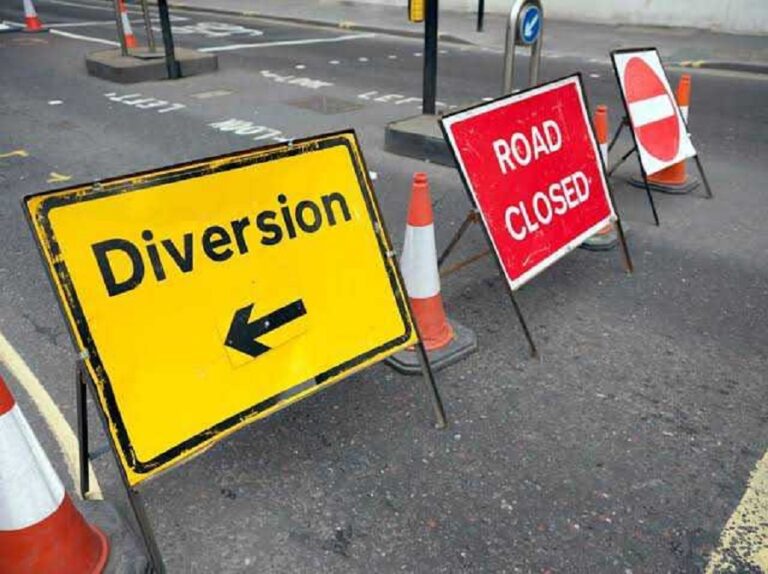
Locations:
(296, 81)
(81, 24)
(362, 59)
(392, 57)
(62, 432)
(78, 5)
(300, 66)
(248, 128)
(304, 42)
(650, 110)
(84, 38)
(417, 54)
(134, 21)
(55, 102)
(594, 75)
(333, 62)
(211, 94)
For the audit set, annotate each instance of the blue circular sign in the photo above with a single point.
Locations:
(530, 24)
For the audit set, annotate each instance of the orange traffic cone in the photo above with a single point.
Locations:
(41, 531)
(32, 22)
(606, 238)
(130, 39)
(675, 179)
(446, 341)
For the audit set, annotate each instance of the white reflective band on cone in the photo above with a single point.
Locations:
(651, 110)
(29, 9)
(419, 262)
(684, 111)
(604, 152)
(30, 490)
(127, 31)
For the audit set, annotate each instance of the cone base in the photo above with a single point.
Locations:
(464, 343)
(688, 186)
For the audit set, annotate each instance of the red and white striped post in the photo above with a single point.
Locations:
(130, 39)
(41, 531)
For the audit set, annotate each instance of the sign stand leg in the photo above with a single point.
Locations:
(429, 379)
(628, 266)
(524, 325)
(470, 219)
(624, 122)
(648, 192)
(703, 177)
(137, 505)
(82, 429)
(134, 499)
(622, 160)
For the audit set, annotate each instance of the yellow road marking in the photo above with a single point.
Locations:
(744, 542)
(56, 422)
(55, 177)
(16, 152)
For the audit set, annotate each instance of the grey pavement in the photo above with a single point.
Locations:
(676, 44)
(625, 448)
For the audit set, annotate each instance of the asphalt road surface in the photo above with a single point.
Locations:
(624, 448)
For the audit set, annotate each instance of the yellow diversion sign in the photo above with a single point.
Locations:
(211, 294)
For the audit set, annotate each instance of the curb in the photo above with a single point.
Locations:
(749, 67)
(340, 25)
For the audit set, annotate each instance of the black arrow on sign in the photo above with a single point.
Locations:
(242, 333)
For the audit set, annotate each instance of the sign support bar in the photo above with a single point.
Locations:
(429, 379)
(134, 498)
(633, 149)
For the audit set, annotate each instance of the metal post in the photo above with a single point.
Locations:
(120, 30)
(170, 57)
(148, 26)
(513, 39)
(510, 43)
(535, 62)
(429, 89)
(480, 14)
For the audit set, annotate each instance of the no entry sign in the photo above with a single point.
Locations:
(531, 164)
(660, 132)
(211, 294)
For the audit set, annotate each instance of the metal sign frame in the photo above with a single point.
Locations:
(89, 366)
(477, 215)
(627, 122)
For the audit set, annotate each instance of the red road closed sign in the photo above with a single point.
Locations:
(660, 133)
(531, 164)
